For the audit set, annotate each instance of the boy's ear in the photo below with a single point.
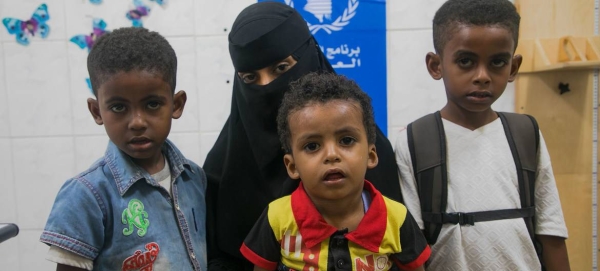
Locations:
(290, 165)
(373, 159)
(514, 67)
(95, 110)
(179, 100)
(434, 65)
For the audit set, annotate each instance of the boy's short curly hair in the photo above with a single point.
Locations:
(454, 13)
(127, 49)
(322, 88)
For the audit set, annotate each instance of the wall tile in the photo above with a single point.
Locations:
(32, 252)
(176, 18)
(209, 22)
(412, 93)
(80, 14)
(185, 48)
(24, 9)
(207, 141)
(8, 212)
(88, 149)
(188, 144)
(40, 162)
(4, 117)
(38, 89)
(83, 123)
(411, 14)
(215, 82)
(9, 250)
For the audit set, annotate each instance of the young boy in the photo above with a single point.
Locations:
(141, 206)
(335, 220)
(475, 43)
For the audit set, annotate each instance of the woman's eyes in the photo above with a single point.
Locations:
(272, 71)
(282, 67)
(248, 78)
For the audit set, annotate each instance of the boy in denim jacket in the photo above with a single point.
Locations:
(141, 206)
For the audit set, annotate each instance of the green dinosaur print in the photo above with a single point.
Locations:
(135, 215)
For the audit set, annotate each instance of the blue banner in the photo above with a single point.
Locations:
(352, 36)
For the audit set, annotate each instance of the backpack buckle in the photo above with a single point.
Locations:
(460, 218)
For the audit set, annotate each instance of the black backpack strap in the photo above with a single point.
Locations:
(427, 146)
(523, 134)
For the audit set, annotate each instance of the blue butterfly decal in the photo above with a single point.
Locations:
(87, 41)
(160, 2)
(135, 15)
(34, 26)
(96, 2)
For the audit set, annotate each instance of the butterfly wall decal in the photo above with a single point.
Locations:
(160, 2)
(96, 2)
(87, 41)
(136, 14)
(35, 26)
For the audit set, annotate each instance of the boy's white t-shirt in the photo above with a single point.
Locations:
(482, 177)
(65, 257)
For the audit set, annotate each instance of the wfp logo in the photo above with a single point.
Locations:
(322, 10)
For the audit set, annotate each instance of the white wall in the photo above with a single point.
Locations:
(47, 134)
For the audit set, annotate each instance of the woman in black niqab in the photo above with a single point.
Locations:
(245, 167)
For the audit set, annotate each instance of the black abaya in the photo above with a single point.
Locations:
(245, 167)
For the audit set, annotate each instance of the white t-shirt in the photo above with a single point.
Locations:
(482, 177)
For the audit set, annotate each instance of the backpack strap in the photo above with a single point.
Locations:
(523, 135)
(427, 146)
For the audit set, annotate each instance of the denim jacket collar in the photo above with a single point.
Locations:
(125, 172)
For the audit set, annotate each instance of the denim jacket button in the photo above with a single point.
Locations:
(177, 207)
(193, 256)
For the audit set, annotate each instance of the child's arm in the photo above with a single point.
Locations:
(62, 267)
(554, 253)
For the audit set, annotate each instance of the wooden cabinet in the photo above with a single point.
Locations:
(559, 47)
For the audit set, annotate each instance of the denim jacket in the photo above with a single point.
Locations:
(117, 215)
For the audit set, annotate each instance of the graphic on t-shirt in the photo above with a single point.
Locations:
(292, 244)
(371, 263)
(135, 216)
(143, 261)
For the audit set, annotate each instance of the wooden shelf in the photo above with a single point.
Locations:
(566, 53)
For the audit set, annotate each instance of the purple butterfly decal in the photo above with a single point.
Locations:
(87, 41)
(135, 15)
(34, 26)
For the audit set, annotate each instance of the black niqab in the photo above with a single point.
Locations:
(245, 167)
